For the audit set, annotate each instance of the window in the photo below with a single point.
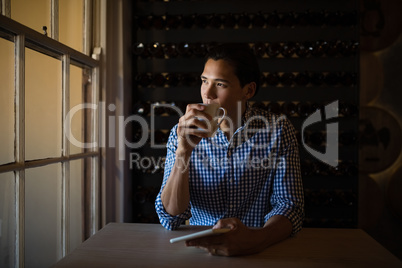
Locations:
(49, 160)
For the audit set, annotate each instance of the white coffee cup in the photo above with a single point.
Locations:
(213, 109)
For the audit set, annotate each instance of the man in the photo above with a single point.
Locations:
(247, 175)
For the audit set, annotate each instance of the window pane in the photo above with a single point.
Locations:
(71, 14)
(76, 203)
(6, 101)
(43, 216)
(76, 101)
(42, 106)
(34, 14)
(7, 219)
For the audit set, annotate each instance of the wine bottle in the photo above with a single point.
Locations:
(158, 80)
(138, 49)
(170, 50)
(201, 21)
(141, 108)
(303, 49)
(348, 109)
(258, 20)
(349, 18)
(244, 20)
(144, 22)
(262, 79)
(333, 18)
(137, 134)
(272, 79)
(172, 79)
(304, 109)
(187, 21)
(348, 79)
(158, 108)
(274, 49)
(172, 21)
(289, 19)
(287, 79)
(144, 79)
(259, 49)
(316, 106)
(273, 19)
(215, 21)
(259, 105)
(171, 109)
(160, 137)
(199, 49)
(303, 19)
(158, 22)
(229, 21)
(333, 48)
(189, 79)
(349, 48)
(317, 18)
(290, 109)
(156, 50)
(184, 49)
(331, 79)
(302, 79)
(274, 107)
(288, 49)
(317, 79)
(319, 48)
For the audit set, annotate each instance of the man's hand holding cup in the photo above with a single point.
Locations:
(201, 120)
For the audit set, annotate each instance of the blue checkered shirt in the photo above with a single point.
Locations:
(253, 176)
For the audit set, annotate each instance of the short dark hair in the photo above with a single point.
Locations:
(242, 58)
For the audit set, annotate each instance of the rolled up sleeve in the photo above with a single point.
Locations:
(287, 197)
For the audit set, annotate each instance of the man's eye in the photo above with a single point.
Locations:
(220, 85)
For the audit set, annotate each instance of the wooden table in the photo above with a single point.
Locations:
(147, 245)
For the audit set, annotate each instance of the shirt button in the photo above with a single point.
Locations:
(229, 153)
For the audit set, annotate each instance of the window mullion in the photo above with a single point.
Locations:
(5, 8)
(54, 19)
(87, 45)
(95, 136)
(20, 147)
(65, 153)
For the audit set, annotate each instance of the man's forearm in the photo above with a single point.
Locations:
(277, 228)
(176, 194)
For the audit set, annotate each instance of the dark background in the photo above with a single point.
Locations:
(345, 51)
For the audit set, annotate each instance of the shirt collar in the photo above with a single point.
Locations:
(247, 114)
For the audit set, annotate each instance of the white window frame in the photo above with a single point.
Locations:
(24, 37)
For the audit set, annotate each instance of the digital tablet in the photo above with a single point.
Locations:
(200, 234)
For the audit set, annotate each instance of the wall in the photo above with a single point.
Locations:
(380, 204)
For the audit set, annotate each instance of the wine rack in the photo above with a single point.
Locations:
(308, 53)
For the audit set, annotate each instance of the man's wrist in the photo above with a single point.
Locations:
(184, 150)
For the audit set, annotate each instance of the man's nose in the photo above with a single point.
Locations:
(209, 92)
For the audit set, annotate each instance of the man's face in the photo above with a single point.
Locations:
(221, 85)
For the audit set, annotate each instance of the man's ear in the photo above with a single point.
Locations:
(249, 90)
